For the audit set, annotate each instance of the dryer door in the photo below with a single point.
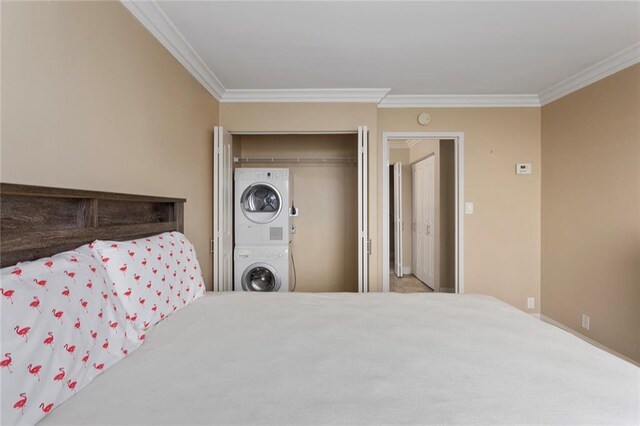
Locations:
(261, 203)
(260, 277)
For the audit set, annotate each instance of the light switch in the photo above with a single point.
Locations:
(468, 207)
(523, 168)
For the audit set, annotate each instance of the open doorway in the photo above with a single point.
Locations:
(279, 193)
(422, 192)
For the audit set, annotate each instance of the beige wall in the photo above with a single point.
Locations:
(91, 100)
(502, 238)
(402, 155)
(272, 117)
(325, 243)
(591, 210)
(506, 224)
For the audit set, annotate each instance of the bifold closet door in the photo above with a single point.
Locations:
(419, 226)
(397, 219)
(430, 219)
(363, 210)
(222, 242)
(423, 236)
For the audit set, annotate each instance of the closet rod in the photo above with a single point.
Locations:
(341, 160)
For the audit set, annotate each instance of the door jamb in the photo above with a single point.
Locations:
(458, 138)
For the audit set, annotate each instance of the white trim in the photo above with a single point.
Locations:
(458, 137)
(586, 339)
(459, 101)
(614, 63)
(406, 270)
(153, 18)
(305, 95)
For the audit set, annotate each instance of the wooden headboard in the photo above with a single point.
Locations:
(37, 221)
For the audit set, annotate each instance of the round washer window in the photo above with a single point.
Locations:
(260, 277)
(261, 203)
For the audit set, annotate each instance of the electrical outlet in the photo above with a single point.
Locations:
(531, 302)
(585, 321)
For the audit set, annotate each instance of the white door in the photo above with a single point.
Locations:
(430, 220)
(419, 226)
(397, 218)
(363, 211)
(222, 244)
(423, 229)
(414, 222)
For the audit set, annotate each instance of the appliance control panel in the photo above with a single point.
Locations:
(263, 253)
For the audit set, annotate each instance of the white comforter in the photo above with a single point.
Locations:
(294, 359)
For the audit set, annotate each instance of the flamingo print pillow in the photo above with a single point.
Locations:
(152, 277)
(60, 329)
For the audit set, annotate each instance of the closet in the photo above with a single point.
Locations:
(325, 187)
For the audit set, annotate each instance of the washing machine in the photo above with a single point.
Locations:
(261, 268)
(261, 206)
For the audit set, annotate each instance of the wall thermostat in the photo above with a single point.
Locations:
(523, 168)
(424, 119)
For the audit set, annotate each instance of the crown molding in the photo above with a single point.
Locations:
(153, 18)
(611, 65)
(305, 95)
(459, 101)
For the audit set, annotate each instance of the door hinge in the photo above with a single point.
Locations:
(369, 247)
(212, 246)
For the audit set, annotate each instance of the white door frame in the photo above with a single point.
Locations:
(458, 138)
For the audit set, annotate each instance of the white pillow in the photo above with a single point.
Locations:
(152, 277)
(58, 333)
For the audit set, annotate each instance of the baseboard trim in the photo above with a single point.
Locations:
(551, 321)
(447, 290)
(406, 270)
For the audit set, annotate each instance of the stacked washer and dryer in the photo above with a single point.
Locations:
(261, 253)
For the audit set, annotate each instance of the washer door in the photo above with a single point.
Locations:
(261, 203)
(260, 277)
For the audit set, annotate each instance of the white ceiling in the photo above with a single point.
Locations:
(466, 48)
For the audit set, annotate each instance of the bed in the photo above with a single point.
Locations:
(246, 358)
(358, 359)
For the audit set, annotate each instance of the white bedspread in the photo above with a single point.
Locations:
(294, 359)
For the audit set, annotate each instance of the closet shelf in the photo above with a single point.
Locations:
(341, 160)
